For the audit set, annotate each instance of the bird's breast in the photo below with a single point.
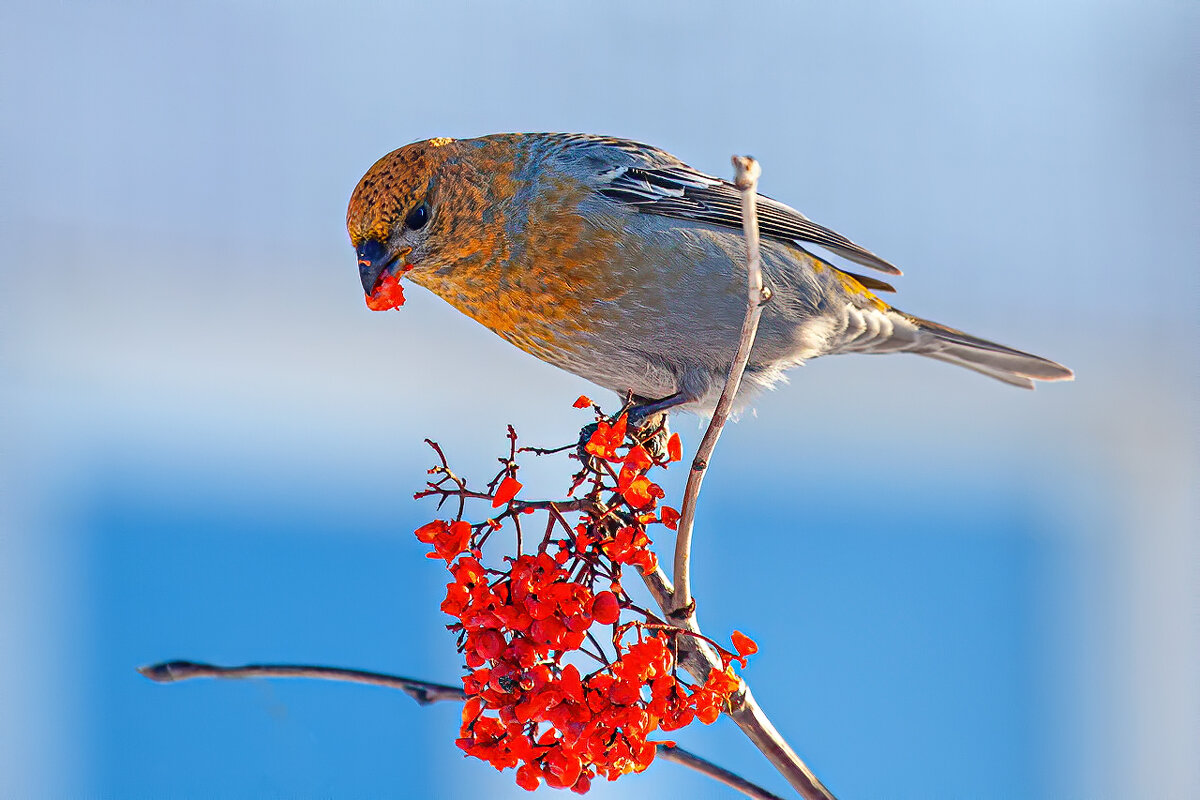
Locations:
(533, 270)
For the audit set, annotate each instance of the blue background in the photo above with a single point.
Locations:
(209, 444)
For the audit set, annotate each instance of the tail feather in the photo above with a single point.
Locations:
(1006, 364)
(1011, 379)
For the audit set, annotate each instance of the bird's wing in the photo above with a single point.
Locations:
(658, 183)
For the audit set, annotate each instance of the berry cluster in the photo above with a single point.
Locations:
(544, 695)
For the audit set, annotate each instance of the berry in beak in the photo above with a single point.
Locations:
(376, 269)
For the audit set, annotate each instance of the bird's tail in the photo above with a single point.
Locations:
(994, 360)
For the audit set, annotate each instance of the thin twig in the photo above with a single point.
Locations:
(423, 692)
(699, 659)
(681, 756)
(746, 179)
(695, 656)
(753, 721)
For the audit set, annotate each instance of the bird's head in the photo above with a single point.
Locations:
(393, 218)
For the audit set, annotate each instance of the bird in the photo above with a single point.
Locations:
(618, 262)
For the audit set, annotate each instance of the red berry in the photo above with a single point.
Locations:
(605, 608)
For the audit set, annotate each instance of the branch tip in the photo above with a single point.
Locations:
(746, 171)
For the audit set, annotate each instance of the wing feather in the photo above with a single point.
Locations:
(676, 190)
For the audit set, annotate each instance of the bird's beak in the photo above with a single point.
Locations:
(373, 262)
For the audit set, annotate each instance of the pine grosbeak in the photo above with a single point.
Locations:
(618, 262)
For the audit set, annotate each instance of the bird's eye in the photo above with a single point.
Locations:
(417, 218)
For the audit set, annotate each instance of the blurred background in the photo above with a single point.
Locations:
(209, 445)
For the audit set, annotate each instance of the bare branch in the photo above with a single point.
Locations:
(746, 179)
(698, 659)
(677, 601)
(750, 717)
(424, 692)
(681, 756)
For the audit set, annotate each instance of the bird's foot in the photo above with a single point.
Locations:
(643, 412)
(653, 434)
(647, 423)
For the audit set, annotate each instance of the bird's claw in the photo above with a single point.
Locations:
(653, 434)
